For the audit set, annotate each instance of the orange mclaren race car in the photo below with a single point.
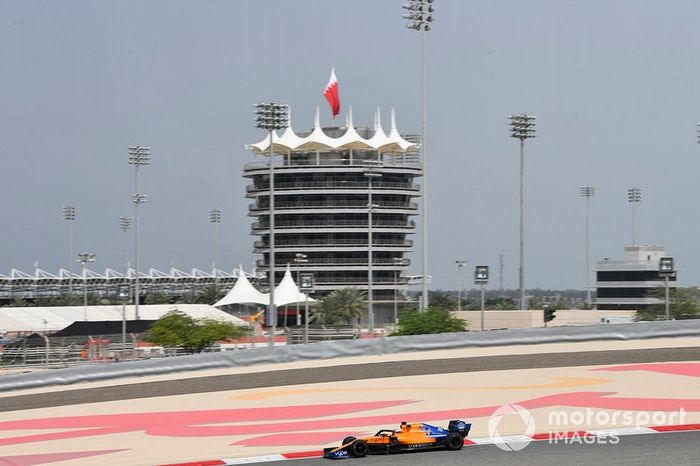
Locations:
(409, 437)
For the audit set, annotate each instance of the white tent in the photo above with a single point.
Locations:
(243, 293)
(50, 319)
(287, 292)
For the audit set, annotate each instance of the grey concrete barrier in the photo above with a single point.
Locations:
(337, 349)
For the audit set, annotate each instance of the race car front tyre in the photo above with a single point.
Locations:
(358, 449)
(454, 441)
(347, 440)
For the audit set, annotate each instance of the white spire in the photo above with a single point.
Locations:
(317, 118)
(318, 140)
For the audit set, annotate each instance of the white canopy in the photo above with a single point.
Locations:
(243, 292)
(318, 140)
(287, 292)
(50, 319)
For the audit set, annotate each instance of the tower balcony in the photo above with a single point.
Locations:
(335, 244)
(324, 226)
(331, 205)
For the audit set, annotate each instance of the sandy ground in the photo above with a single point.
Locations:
(419, 355)
(241, 423)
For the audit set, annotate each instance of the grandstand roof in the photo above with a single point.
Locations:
(42, 277)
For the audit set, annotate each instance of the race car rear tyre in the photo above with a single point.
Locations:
(347, 440)
(358, 449)
(454, 441)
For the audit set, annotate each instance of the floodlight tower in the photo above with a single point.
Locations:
(634, 196)
(215, 220)
(272, 116)
(85, 258)
(522, 127)
(138, 155)
(419, 14)
(588, 192)
(69, 216)
(460, 263)
(125, 225)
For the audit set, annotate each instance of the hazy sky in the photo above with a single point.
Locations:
(613, 84)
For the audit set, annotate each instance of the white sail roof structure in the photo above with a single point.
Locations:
(287, 292)
(318, 140)
(243, 292)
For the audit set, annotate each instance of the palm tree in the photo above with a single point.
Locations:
(157, 297)
(342, 306)
(209, 295)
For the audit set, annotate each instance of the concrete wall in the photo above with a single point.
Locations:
(534, 318)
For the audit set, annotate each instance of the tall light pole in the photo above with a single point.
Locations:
(85, 258)
(215, 220)
(123, 292)
(138, 155)
(588, 192)
(299, 259)
(69, 216)
(398, 262)
(125, 225)
(272, 116)
(666, 271)
(634, 196)
(370, 173)
(481, 278)
(419, 14)
(522, 127)
(460, 263)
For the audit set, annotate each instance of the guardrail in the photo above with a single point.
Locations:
(360, 347)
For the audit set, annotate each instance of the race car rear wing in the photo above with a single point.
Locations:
(459, 426)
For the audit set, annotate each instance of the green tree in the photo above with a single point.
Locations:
(64, 299)
(157, 297)
(178, 329)
(501, 304)
(19, 302)
(433, 320)
(341, 306)
(683, 304)
(209, 295)
(443, 299)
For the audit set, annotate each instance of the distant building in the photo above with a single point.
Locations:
(321, 206)
(625, 284)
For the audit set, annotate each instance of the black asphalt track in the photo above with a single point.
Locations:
(673, 448)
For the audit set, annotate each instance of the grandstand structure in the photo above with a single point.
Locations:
(175, 283)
